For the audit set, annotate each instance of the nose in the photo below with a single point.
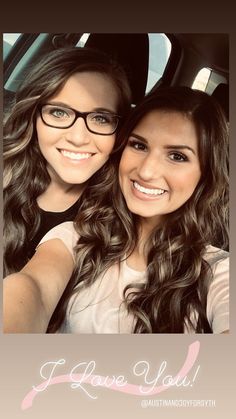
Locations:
(150, 168)
(78, 134)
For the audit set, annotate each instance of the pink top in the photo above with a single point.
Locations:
(99, 308)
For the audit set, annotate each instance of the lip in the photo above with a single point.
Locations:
(144, 196)
(147, 185)
(75, 156)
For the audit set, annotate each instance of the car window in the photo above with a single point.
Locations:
(9, 40)
(207, 80)
(83, 40)
(159, 46)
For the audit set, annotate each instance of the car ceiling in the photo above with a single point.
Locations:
(213, 48)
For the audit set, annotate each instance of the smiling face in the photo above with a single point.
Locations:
(160, 167)
(74, 154)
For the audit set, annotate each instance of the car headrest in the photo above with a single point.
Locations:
(221, 94)
(129, 50)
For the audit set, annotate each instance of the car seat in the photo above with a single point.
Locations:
(221, 94)
(129, 50)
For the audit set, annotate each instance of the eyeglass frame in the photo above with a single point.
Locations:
(78, 114)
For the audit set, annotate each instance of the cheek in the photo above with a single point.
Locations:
(40, 127)
(125, 162)
(42, 133)
(46, 136)
(106, 144)
(122, 171)
(196, 177)
(188, 181)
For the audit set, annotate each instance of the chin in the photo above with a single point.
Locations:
(78, 181)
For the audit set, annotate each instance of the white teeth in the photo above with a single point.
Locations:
(148, 191)
(75, 156)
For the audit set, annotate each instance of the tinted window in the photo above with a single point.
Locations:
(9, 40)
(159, 52)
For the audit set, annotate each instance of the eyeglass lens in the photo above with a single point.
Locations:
(60, 117)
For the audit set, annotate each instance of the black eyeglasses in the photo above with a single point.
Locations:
(56, 116)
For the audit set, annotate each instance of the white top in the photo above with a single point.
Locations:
(99, 309)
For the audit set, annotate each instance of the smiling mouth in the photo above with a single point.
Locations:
(148, 191)
(76, 156)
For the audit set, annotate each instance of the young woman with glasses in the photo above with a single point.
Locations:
(58, 135)
(152, 257)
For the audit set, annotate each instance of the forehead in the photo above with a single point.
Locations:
(167, 125)
(94, 87)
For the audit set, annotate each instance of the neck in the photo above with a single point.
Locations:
(59, 196)
(138, 259)
(146, 227)
(57, 184)
(62, 188)
(58, 200)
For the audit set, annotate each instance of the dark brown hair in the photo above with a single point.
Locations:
(25, 173)
(178, 275)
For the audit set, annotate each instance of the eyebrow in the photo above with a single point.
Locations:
(65, 105)
(180, 147)
(168, 147)
(139, 137)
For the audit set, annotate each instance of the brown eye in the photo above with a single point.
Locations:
(137, 145)
(178, 157)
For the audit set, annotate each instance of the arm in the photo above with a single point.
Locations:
(31, 296)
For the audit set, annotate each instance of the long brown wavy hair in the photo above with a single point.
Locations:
(25, 173)
(178, 276)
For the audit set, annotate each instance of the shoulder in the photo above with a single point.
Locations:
(218, 294)
(214, 255)
(218, 260)
(64, 232)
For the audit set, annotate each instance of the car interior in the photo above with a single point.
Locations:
(165, 59)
